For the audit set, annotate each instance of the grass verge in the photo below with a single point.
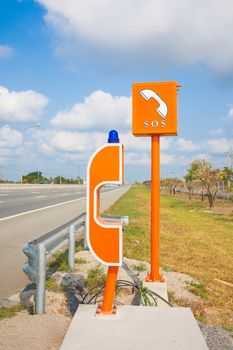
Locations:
(194, 240)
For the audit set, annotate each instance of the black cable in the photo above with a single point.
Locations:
(93, 297)
(159, 296)
(151, 295)
(89, 292)
(124, 283)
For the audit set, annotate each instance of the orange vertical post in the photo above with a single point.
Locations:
(107, 305)
(155, 209)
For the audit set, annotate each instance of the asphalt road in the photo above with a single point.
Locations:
(24, 227)
(15, 201)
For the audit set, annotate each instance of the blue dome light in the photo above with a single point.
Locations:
(113, 137)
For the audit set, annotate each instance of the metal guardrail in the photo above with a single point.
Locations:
(41, 249)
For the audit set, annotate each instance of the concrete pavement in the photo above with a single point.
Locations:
(134, 328)
(15, 232)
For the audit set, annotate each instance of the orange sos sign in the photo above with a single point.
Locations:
(154, 108)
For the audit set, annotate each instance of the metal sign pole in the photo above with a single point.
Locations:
(155, 209)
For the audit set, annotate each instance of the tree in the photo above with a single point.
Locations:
(201, 170)
(194, 173)
(227, 176)
(172, 184)
(34, 177)
(191, 186)
(63, 180)
(147, 183)
(211, 178)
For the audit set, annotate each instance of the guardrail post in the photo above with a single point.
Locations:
(40, 287)
(71, 247)
(85, 235)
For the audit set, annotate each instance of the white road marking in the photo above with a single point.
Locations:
(3, 194)
(40, 196)
(2, 201)
(35, 210)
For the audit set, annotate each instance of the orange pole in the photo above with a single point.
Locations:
(155, 208)
(109, 292)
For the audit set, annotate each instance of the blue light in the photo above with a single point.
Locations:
(113, 137)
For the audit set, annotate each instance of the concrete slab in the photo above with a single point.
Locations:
(159, 288)
(134, 328)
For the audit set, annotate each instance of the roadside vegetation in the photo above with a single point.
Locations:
(10, 311)
(95, 279)
(195, 239)
(201, 178)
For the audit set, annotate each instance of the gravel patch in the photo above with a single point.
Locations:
(177, 284)
(216, 338)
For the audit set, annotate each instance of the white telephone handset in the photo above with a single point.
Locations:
(148, 94)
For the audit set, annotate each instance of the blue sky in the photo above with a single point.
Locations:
(69, 66)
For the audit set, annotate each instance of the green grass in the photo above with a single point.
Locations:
(198, 289)
(192, 241)
(139, 267)
(134, 203)
(95, 279)
(59, 262)
(80, 261)
(51, 284)
(78, 248)
(10, 312)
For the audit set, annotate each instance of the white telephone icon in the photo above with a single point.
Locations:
(148, 94)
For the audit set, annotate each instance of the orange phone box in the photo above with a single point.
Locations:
(154, 108)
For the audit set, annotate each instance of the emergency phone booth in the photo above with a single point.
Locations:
(104, 238)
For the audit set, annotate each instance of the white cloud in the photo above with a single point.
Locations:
(22, 105)
(132, 143)
(135, 158)
(217, 132)
(180, 32)
(201, 156)
(5, 51)
(167, 159)
(100, 110)
(77, 142)
(187, 145)
(9, 138)
(66, 141)
(86, 142)
(142, 144)
(217, 145)
(230, 113)
(46, 149)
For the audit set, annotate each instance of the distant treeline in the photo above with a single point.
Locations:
(201, 177)
(37, 177)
